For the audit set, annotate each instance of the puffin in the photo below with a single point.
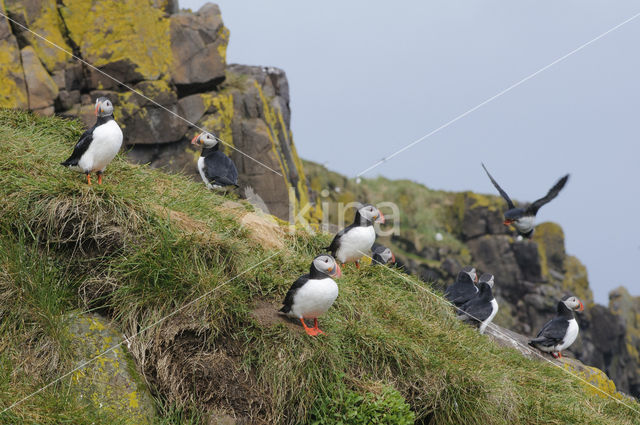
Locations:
(523, 219)
(216, 169)
(481, 309)
(382, 255)
(312, 294)
(464, 288)
(97, 146)
(350, 244)
(561, 331)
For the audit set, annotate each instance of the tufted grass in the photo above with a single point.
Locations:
(145, 244)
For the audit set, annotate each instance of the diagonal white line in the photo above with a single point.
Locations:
(83, 364)
(497, 330)
(494, 97)
(139, 93)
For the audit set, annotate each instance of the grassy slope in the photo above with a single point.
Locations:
(57, 235)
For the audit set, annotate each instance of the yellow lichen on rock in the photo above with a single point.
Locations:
(127, 30)
(13, 93)
(219, 123)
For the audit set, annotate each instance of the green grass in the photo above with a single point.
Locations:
(146, 243)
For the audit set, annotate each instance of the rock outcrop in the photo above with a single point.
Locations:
(176, 63)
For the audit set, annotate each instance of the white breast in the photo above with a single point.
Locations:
(107, 140)
(314, 298)
(525, 224)
(355, 243)
(570, 337)
(484, 324)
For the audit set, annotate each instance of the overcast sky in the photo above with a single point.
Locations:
(369, 77)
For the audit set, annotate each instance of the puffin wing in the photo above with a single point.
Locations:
(459, 294)
(497, 186)
(335, 243)
(219, 168)
(288, 299)
(477, 309)
(553, 192)
(81, 147)
(552, 332)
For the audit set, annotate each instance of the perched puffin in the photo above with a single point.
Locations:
(561, 331)
(482, 308)
(524, 218)
(382, 255)
(216, 169)
(99, 145)
(464, 288)
(312, 294)
(353, 241)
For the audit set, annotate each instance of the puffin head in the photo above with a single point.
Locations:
(104, 107)
(487, 278)
(384, 253)
(207, 140)
(572, 303)
(471, 272)
(371, 213)
(327, 264)
(512, 215)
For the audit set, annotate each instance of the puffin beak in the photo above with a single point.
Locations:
(581, 306)
(338, 272)
(380, 219)
(195, 139)
(97, 108)
(393, 258)
(507, 222)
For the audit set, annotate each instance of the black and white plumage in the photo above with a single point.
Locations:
(97, 146)
(523, 219)
(464, 288)
(481, 309)
(382, 255)
(356, 240)
(561, 331)
(216, 169)
(312, 294)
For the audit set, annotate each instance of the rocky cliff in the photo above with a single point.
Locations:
(176, 60)
(439, 232)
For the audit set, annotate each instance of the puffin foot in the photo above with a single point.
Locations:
(308, 330)
(316, 328)
(89, 179)
(557, 355)
(99, 178)
(358, 265)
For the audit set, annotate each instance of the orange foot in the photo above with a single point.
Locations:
(358, 265)
(557, 355)
(316, 328)
(100, 178)
(89, 179)
(308, 330)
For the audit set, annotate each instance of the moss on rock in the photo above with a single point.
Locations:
(128, 30)
(576, 280)
(13, 91)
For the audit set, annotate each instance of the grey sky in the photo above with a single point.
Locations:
(369, 77)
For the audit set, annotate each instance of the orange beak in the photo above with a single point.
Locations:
(380, 219)
(97, 107)
(338, 272)
(476, 277)
(194, 141)
(507, 222)
(393, 258)
(581, 306)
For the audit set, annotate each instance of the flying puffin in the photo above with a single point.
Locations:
(524, 218)
(464, 288)
(382, 255)
(561, 331)
(481, 309)
(97, 146)
(216, 169)
(355, 240)
(312, 294)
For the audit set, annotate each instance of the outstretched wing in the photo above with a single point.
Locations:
(220, 169)
(81, 147)
(553, 192)
(502, 192)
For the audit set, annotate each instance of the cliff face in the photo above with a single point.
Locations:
(176, 59)
(440, 232)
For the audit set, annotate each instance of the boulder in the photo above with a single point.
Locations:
(13, 90)
(41, 88)
(110, 383)
(198, 50)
